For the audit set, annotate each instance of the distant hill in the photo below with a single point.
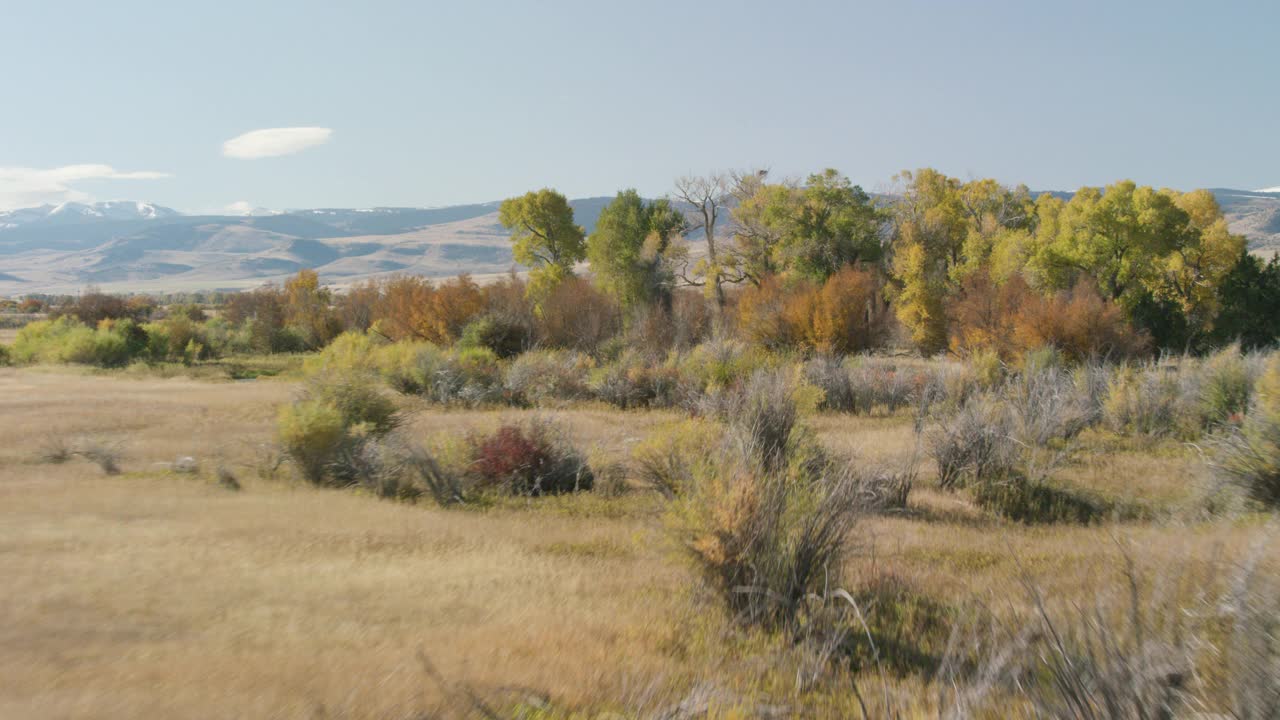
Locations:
(126, 246)
(132, 246)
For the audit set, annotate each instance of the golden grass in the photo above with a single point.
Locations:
(151, 594)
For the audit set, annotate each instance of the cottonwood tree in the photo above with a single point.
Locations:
(1160, 254)
(544, 237)
(760, 218)
(707, 198)
(632, 248)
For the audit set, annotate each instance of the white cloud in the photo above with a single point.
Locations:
(239, 207)
(27, 187)
(273, 142)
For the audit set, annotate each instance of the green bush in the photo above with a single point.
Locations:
(358, 399)
(311, 433)
(719, 364)
(505, 338)
(113, 343)
(665, 460)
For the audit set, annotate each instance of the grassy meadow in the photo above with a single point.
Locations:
(159, 591)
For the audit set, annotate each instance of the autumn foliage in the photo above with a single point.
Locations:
(1010, 319)
(843, 315)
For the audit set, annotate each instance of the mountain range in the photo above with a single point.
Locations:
(125, 246)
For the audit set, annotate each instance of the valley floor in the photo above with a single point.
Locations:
(156, 594)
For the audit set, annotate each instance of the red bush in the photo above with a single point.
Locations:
(527, 461)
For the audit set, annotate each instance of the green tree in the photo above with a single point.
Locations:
(761, 217)
(544, 237)
(1155, 252)
(832, 223)
(1250, 304)
(631, 250)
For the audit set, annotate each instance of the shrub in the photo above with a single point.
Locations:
(981, 318)
(1226, 384)
(377, 464)
(576, 315)
(445, 487)
(64, 340)
(546, 377)
(880, 384)
(1249, 457)
(469, 376)
(92, 307)
(1047, 405)
(412, 308)
(1009, 318)
(886, 488)
(1145, 400)
(401, 365)
(357, 398)
(720, 363)
(829, 374)
(6, 356)
(350, 351)
(765, 410)
(530, 460)
(105, 454)
(629, 382)
(1081, 324)
(666, 460)
(848, 314)
(504, 336)
(762, 314)
(310, 433)
(767, 541)
(974, 443)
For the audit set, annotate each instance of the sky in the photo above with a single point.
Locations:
(208, 106)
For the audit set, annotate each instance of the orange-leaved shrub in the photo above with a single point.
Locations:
(1011, 318)
(845, 314)
(414, 308)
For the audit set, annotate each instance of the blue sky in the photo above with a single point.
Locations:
(431, 103)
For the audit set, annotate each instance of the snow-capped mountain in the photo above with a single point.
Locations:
(73, 213)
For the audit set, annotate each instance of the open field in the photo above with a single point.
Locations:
(156, 594)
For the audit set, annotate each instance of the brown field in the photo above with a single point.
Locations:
(154, 594)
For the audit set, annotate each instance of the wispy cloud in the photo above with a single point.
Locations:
(27, 187)
(273, 142)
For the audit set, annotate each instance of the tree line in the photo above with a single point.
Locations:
(960, 265)
(812, 265)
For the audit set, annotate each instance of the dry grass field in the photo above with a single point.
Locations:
(157, 594)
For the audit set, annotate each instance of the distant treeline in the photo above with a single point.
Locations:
(817, 265)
